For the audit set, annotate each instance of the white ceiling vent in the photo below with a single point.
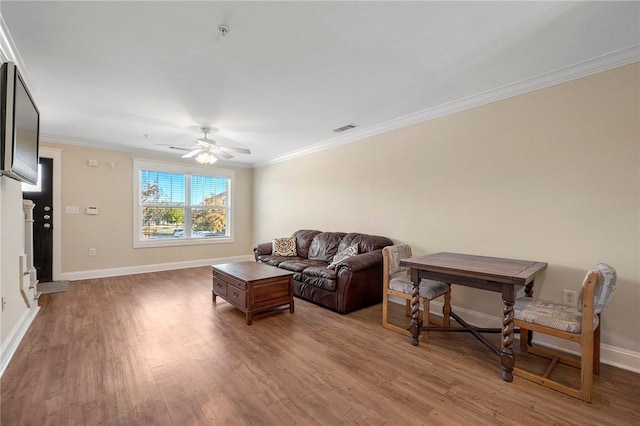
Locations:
(344, 128)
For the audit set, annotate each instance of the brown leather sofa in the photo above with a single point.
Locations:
(355, 283)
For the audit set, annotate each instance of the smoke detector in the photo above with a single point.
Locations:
(224, 29)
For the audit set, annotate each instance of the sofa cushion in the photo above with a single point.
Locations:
(320, 272)
(325, 245)
(342, 255)
(299, 264)
(303, 241)
(285, 246)
(320, 276)
(276, 260)
(366, 243)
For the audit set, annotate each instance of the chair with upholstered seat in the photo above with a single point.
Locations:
(579, 324)
(396, 282)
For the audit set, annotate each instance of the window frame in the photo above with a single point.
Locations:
(167, 167)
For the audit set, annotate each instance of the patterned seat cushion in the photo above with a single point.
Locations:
(550, 314)
(606, 285)
(428, 289)
(395, 253)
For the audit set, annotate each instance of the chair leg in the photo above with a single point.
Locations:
(588, 362)
(596, 350)
(385, 309)
(407, 307)
(524, 335)
(586, 367)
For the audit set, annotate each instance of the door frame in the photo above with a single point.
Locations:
(56, 262)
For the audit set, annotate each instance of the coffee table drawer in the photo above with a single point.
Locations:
(219, 286)
(236, 296)
(230, 280)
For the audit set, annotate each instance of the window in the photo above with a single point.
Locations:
(178, 205)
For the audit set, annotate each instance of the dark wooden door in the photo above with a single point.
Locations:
(43, 221)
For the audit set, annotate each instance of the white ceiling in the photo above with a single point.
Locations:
(130, 75)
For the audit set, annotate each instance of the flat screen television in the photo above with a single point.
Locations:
(19, 127)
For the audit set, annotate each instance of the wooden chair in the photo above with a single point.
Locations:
(579, 324)
(396, 282)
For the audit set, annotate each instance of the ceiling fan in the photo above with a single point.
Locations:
(208, 151)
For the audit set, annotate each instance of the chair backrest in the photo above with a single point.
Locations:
(604, 288)
(392, 256)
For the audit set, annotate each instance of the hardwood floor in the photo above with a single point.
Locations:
(152, 349)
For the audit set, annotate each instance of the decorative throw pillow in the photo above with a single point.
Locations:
(285, 246)
(344, 254)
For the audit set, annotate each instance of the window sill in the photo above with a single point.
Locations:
(168, 242)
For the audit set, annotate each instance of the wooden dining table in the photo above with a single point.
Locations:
(487, 273)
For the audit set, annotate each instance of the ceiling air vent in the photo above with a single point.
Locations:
(344, 128)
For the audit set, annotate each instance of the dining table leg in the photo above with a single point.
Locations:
(415, 326)
(528, 292)
(507, 359)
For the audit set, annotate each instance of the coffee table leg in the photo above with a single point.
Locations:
(507, 358)
(290, 294)
(415, 308)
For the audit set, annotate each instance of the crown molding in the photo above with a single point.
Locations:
(591, 66)
(6, 44)
(9, 53)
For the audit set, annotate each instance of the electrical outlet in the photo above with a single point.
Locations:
(569, 297)
(92, 252)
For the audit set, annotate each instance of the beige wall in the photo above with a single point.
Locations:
(11, 247)
(551, 176)
(110, 232)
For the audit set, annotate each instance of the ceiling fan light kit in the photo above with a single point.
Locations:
(205, 157)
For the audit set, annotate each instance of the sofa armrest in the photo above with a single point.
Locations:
(262, 249)
(362, 261)
(359, 281)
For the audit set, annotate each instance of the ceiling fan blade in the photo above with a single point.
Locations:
(221, 155)
(213, 142)
(192, 153)
(234, 149)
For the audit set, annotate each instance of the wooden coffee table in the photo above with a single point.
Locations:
(253, 287)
